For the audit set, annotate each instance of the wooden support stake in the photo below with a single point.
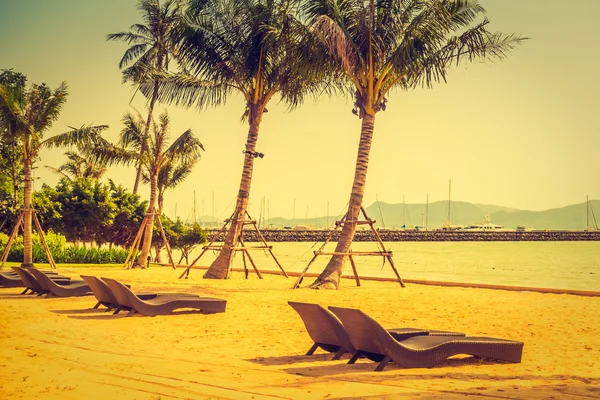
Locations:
(354, 269)
(186, 273)
(134, 245)
(251, 260)
(43, 240)
(164, 238)
(238, 245)
(11, 239)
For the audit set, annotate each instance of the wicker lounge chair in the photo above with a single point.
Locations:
(75, 288)
(328, 332)
(106, 297)
(32, 284)
(324, 328)
(163, 305)
(374, 342)
(10, 280)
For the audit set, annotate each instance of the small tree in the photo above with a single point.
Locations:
(25, 116)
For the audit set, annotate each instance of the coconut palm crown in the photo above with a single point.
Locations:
(254, 47)
(27, 114)
(394, 44)
(79, 166)
(152, 46)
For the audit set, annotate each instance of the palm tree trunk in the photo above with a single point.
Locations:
(143, 149)
(28, 194)
(141, 261)
(218, 269)
(330, 277)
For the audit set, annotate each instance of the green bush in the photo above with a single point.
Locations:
(62, 252)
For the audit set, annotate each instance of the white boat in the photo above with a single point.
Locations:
(485, 226)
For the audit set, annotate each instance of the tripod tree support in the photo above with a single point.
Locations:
(238, 245)
(387, 255)
(14, 232)
(148, 219)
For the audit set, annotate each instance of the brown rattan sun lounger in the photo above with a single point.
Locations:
(328, 333)
(10, 280)
(371, 340)
(324, 328)
(75, 288)
(164, 305)
(32, 284)
(106, 297)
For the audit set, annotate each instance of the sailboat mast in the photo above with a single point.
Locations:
(587, 212)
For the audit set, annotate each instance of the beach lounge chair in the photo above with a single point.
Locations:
(162, 305)
(106, 297)
(10, 280)
(328, 332)
(371, 340)
(32, 284)
(74, 288)
(324, 328)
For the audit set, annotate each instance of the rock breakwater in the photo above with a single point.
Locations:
(290, 235)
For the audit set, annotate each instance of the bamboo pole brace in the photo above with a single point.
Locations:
(12, 238)
(43, 240)
(251, 260)
(164, 238)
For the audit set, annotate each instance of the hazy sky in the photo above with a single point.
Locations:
(522, 132)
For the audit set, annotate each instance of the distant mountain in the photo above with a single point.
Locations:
(461, 213)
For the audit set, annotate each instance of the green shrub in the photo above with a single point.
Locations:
(62, 252)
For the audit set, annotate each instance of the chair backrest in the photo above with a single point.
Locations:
(45, 282)
(322, 325)
(28, 280)
(120, 292)
(362, 330)
(100, 289)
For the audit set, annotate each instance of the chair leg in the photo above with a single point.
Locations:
(108, 308)
(311, 351)
(383, 363)
(338, 354)
(25, 291)
(131, 312)
(354, 357)
(118, 310)
(97, 305)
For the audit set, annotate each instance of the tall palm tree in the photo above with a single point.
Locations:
(153, 45)
(29, 113)
(254, 47)
(380, 45)
(79, 166)
(169, 177)
(185, 150)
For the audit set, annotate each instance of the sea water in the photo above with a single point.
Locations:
(560, 265)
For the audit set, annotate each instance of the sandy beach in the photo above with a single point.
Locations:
(61, 348)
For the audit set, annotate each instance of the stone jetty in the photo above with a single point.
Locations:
(390, 235)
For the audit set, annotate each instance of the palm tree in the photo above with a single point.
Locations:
(28, 114)
(383, 45)
(253, 47)
(79, 166)
(185, 150)
(169, 177)
(153, 45)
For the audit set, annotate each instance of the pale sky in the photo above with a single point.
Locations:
(522, 132)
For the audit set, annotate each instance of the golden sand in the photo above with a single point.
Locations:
(56, 348)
